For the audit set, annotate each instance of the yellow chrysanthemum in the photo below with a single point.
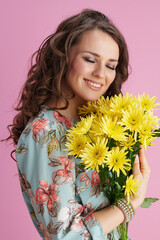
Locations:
(146, 129)
(117, 161)
(146, 102)
(83, 126)
(95, 129)
(76, 144)
(100, 105)
(93, 137)
(87, 109)
(112, 129)
(133, 119)
(151, 119)
(130, 141)
(103, 105)
(101, 101)
(147, 141)
(94, 155)
(121, 103)
(146, 134)
(131, 187)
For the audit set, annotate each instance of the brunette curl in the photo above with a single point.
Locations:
(50, 63)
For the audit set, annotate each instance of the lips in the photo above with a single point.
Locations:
(93, 84)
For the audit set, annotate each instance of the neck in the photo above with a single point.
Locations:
(72, 110)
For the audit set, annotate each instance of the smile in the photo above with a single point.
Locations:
(93, 84)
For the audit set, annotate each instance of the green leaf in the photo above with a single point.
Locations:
(147, 202)
(118, 187)
(156, 133)
(111, 143)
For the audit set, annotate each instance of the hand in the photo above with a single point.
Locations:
(141, 171)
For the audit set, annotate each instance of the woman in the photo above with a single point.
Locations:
(84, 59)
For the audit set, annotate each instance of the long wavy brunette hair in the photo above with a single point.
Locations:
(50, 63)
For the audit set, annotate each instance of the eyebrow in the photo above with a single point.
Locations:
(97, 55)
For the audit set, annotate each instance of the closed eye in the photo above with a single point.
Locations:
(93, 61)
(110, 67)
(89, 60)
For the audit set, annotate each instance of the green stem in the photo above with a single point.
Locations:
(123, 230)
(108, 144)
(127, 224)
(87, 134)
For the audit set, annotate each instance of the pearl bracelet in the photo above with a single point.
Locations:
(127, 209)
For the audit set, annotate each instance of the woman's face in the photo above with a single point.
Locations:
(92, 65)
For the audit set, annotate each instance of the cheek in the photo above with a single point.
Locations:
(78, 67)
(111, 77)
(114, 75)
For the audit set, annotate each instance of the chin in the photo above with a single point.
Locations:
(92, 99)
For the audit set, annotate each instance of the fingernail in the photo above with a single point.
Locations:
(136, 159)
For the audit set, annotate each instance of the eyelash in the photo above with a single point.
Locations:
(92, 61)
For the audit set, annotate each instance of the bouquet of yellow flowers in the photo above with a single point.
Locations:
(108, 138)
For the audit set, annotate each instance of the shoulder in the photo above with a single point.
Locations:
(47, 119)
(41, 125)
(43, 120)
(46, 126)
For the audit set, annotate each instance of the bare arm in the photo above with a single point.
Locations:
(110, 217)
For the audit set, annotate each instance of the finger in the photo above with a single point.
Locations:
(144, 167)
(136, 167)
(142, 158)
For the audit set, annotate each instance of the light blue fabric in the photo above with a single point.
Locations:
(59, 194)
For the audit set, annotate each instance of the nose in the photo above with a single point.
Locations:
(99, 71)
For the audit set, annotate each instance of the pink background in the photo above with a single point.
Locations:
(24, 25)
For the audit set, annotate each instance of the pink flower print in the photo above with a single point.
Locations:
(43, 183)
(61, 118)
(84, 177)
(78, 210)
(58, 116)
(95, 179)
(95, 184)
(31, 196)
(77, 224)
(65, 173)
(64, 161)
(41, 195)
(86, 235)
(26, 187)
(24, 182)
(39, 124)
(45, 232)
(47, 193)
(67, 123)
(91, 216)
(87, 209)
(44, 109)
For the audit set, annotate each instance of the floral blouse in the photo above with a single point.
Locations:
(61, 197)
